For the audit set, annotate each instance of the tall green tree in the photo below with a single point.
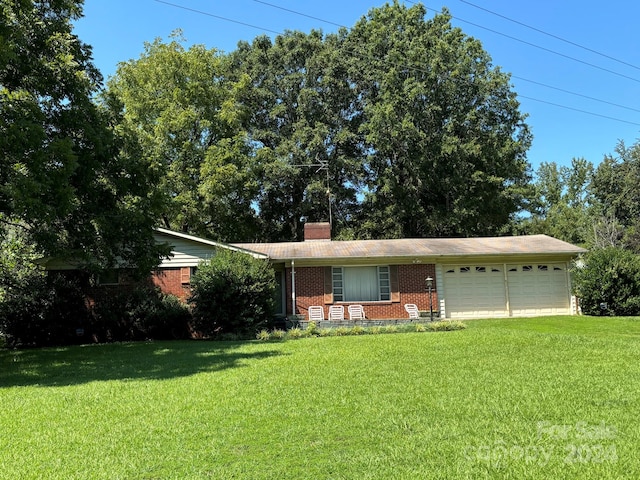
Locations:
(301, 117)
(616, 190)
(62, 179)
(180, 107)
(445, 138)
(562, 203)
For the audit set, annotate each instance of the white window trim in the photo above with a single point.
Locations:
(337, 275)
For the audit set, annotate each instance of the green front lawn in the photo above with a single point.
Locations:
(532, 398)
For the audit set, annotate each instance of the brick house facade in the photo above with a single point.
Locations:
(471, 277)
(310, 291)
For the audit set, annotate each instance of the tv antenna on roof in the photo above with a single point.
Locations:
(323, 165)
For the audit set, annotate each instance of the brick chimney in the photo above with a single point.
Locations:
(314, 231)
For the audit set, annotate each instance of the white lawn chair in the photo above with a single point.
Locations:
(412, 310)
(356, 312)
(316, 314)
(336, 312)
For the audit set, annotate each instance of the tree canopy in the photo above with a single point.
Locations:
(63, 178)
(616, 190)
(592, 206)
(180, 106)
(562, 205)
(444, 137)
(302, 122)
(400, 126)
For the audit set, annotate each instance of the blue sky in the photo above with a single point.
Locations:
(117, 30)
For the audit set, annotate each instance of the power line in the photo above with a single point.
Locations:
(579, 110)
(592, 65)
(299, 13)
(576, 94)
(424, 71)
(531, 44)
(557, 37)
(218, 17)
(514, 76)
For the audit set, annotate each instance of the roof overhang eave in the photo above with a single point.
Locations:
(431, 258)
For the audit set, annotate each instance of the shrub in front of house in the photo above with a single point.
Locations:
(43, 311)
(159, 316)
(232, 293)
(446, 326)
(607, 282)
(139, 313)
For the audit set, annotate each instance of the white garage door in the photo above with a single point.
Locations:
(479, 291)
(474, 291)
(538, 289)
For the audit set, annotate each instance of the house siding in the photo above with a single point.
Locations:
(184, 253)
(411, 282)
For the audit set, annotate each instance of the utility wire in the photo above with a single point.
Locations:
(422, 70)
(576, 94)
(578, 110)
(513, 76)
(299, 13)
(592, 65)
(218, 17)
(557, 37)
(525, 42)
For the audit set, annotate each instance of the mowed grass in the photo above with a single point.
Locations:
(529, 398)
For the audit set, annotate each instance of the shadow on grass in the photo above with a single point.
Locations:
(124, 361)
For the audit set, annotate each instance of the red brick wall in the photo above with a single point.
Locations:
(169, 280)
(413, 288)
(309, 288)
(411, 280)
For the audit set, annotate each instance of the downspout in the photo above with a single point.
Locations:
(293, 287)
(507, 295)
(573, 301)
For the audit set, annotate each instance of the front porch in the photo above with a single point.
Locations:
(301, 321)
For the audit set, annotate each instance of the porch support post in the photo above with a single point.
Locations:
(293, 287)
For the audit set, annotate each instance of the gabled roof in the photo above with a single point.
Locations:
(186, 250)
(163, 232)
(415, 247)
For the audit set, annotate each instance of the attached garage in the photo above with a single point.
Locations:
(506, 290)
(475, 291)
(539, 289)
